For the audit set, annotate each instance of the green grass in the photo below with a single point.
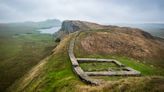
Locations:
(96, 66)
(20, 49)
(61, 77)
(56, 75)
(145, 69)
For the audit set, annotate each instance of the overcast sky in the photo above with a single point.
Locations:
(101, 11)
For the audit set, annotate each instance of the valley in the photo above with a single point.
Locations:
(21, 48)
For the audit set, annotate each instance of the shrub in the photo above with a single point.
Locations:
(57, 40)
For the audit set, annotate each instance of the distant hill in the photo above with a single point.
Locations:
(156, 29)
(49, 23)
(41, 24)
(10, 29)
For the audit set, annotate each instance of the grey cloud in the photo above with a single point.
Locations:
(102, 11)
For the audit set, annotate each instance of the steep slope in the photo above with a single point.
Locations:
(55, 73)
(132, 44)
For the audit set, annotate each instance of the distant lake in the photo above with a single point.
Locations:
(49, 30)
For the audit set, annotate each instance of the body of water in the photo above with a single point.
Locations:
(49, 30)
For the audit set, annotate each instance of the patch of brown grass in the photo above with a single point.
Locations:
(133, 44)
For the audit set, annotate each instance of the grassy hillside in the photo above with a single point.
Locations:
(129, 46)
(145, 66)
(21, 47)
(130, 43)
(54, 74)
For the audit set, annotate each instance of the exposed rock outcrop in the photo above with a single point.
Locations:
(69, 26)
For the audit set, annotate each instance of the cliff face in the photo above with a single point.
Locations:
(70, 26)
